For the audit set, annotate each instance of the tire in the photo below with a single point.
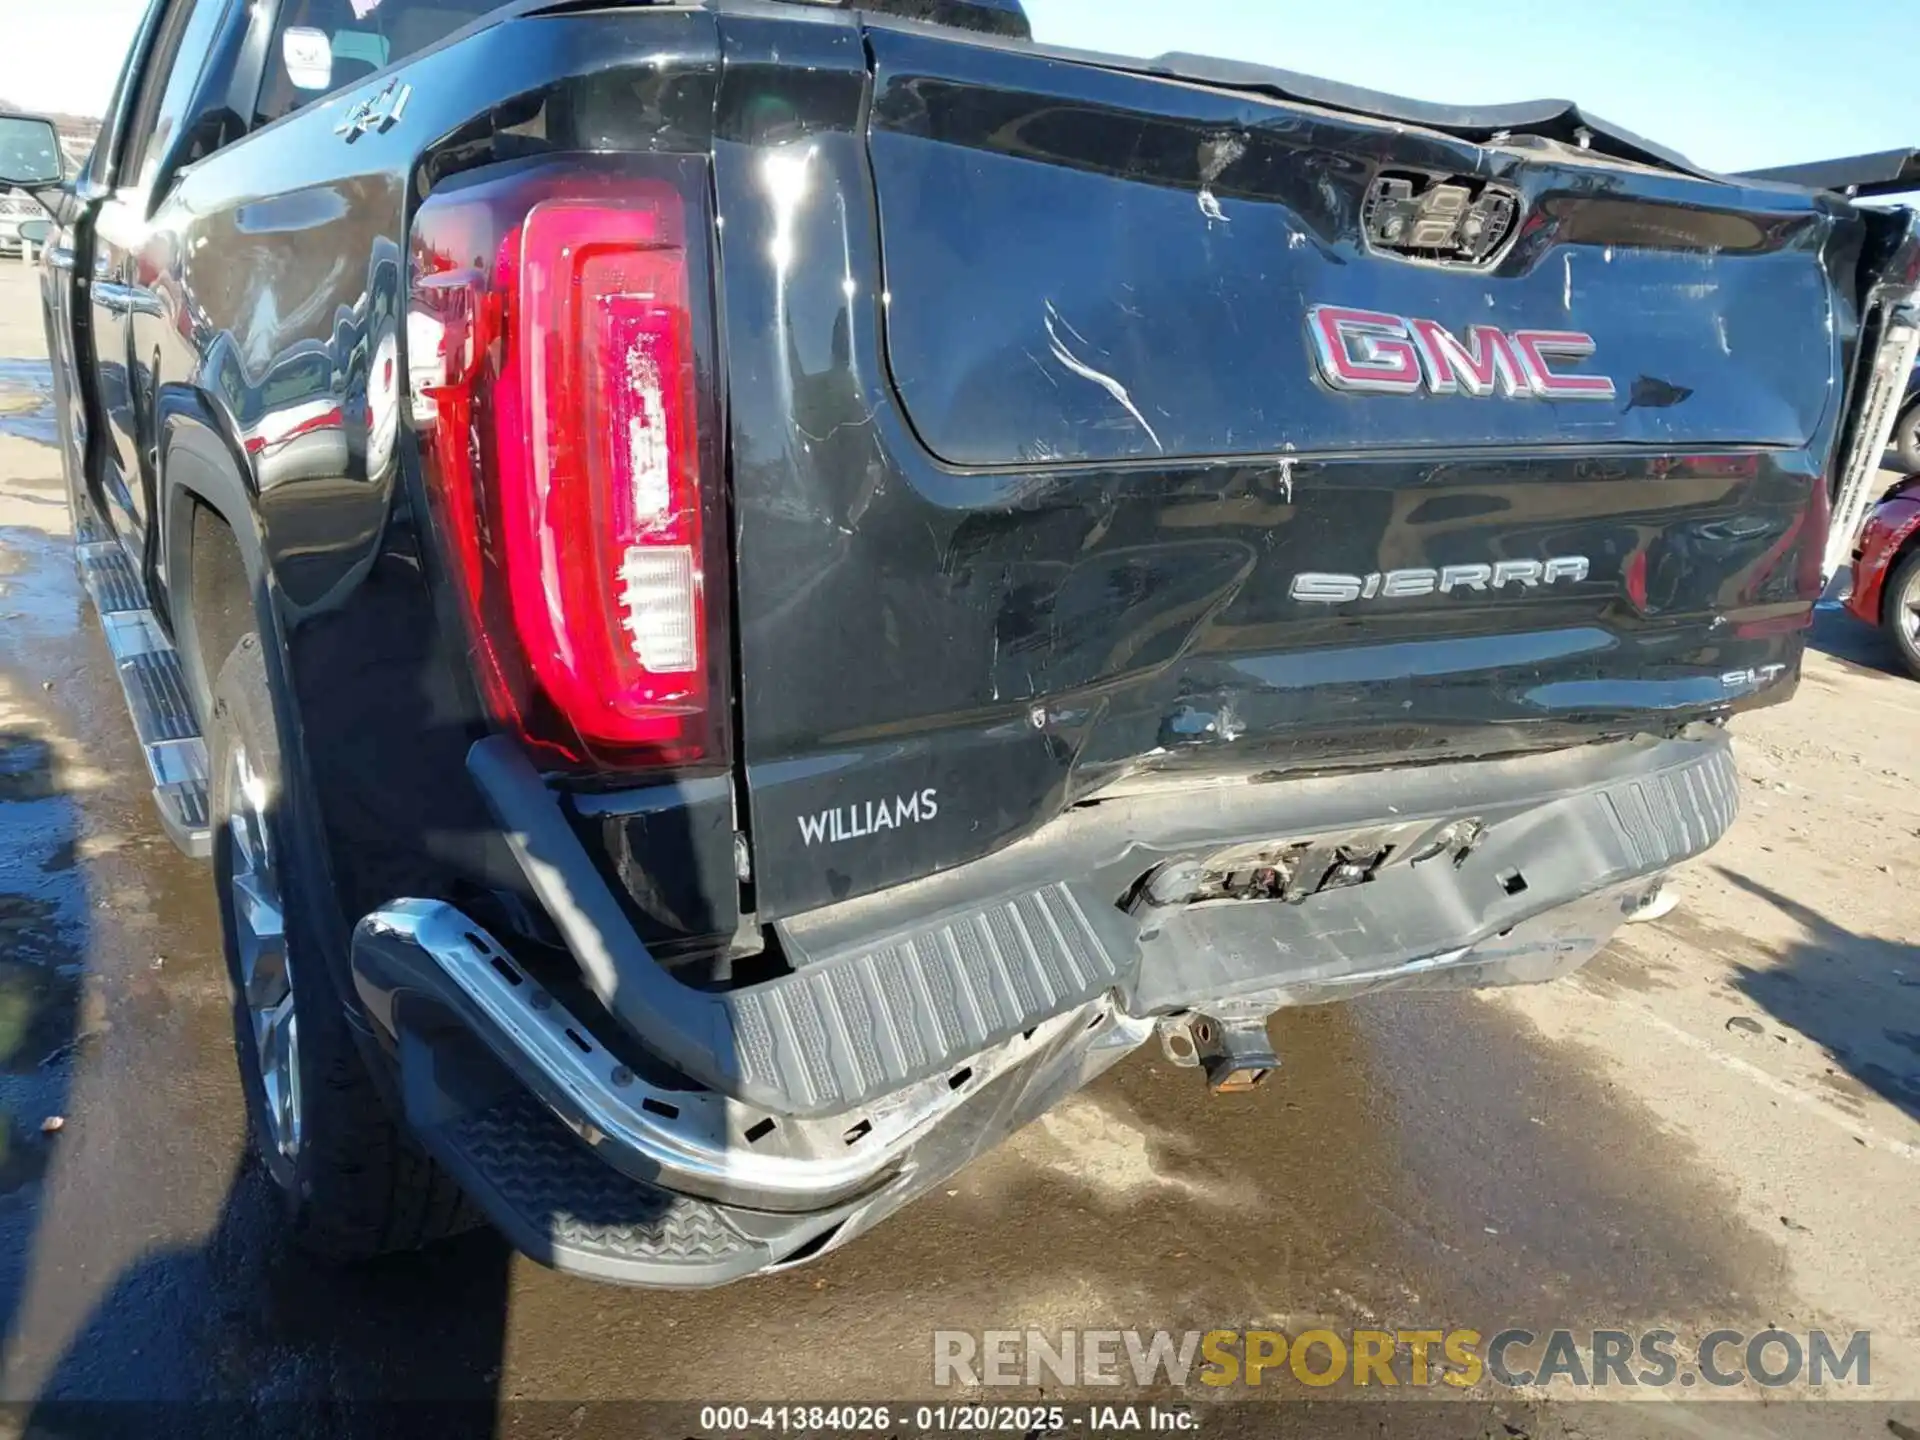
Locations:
(1906, 439)
(352, 1183)
(1900, 610)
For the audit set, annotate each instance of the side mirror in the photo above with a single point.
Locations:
(36, 232)
(30, 152)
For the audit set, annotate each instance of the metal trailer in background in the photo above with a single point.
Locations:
(1892, 310)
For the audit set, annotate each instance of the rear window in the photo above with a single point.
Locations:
(320, 46)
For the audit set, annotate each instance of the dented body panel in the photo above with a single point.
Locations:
(1037, 216)
(1041, 488)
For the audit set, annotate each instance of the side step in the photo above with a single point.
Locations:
(155, 686)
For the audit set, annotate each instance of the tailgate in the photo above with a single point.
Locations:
(1095, 430)
(1075, 282)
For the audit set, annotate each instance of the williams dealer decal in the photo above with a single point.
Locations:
(850, 822)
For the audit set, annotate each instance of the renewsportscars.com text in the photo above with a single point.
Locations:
(1410, 1357)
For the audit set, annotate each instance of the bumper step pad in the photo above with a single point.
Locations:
(155, 687)
(566, 1207)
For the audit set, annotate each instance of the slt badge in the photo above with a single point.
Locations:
(1372, 351)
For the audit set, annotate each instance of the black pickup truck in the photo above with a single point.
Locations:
(744, 595)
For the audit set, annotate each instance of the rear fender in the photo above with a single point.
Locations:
(200, 464)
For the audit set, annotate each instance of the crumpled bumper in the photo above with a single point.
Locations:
(821, 1101)
(589, 1166)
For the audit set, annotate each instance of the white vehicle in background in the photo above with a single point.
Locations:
(15, 209)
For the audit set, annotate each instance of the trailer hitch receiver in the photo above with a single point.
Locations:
(1233, 1051)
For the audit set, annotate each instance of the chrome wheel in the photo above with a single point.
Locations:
(1908, 605)
(260, 937)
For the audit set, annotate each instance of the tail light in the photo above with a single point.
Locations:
(553, 367)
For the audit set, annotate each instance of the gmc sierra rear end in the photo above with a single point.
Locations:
(746, 596)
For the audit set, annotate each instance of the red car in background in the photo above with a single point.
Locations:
(1886, 562)
(1886, 571)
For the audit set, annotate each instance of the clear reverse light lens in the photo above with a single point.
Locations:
(657, 607)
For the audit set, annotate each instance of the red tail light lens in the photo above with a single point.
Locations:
(553, 367)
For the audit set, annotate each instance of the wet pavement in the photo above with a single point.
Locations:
(1444, 1162)
(26, 400)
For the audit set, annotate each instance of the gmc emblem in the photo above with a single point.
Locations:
(1378, 353)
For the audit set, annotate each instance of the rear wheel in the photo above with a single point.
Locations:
(1900, 610)
(1906, 439)
(353, 1184)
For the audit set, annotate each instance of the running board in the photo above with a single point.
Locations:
(155, 686)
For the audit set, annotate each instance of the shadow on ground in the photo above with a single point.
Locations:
(1851, 640)
(43, 933)
(244, 1335)
(1856, 995)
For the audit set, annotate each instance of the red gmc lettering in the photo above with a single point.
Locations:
(1536, 345)
(1484, 362)
(1372, 351)
(1364, 350)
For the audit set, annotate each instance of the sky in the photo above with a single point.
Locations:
(1734, 84)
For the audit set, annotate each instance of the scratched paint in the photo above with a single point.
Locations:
(1106, 382)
